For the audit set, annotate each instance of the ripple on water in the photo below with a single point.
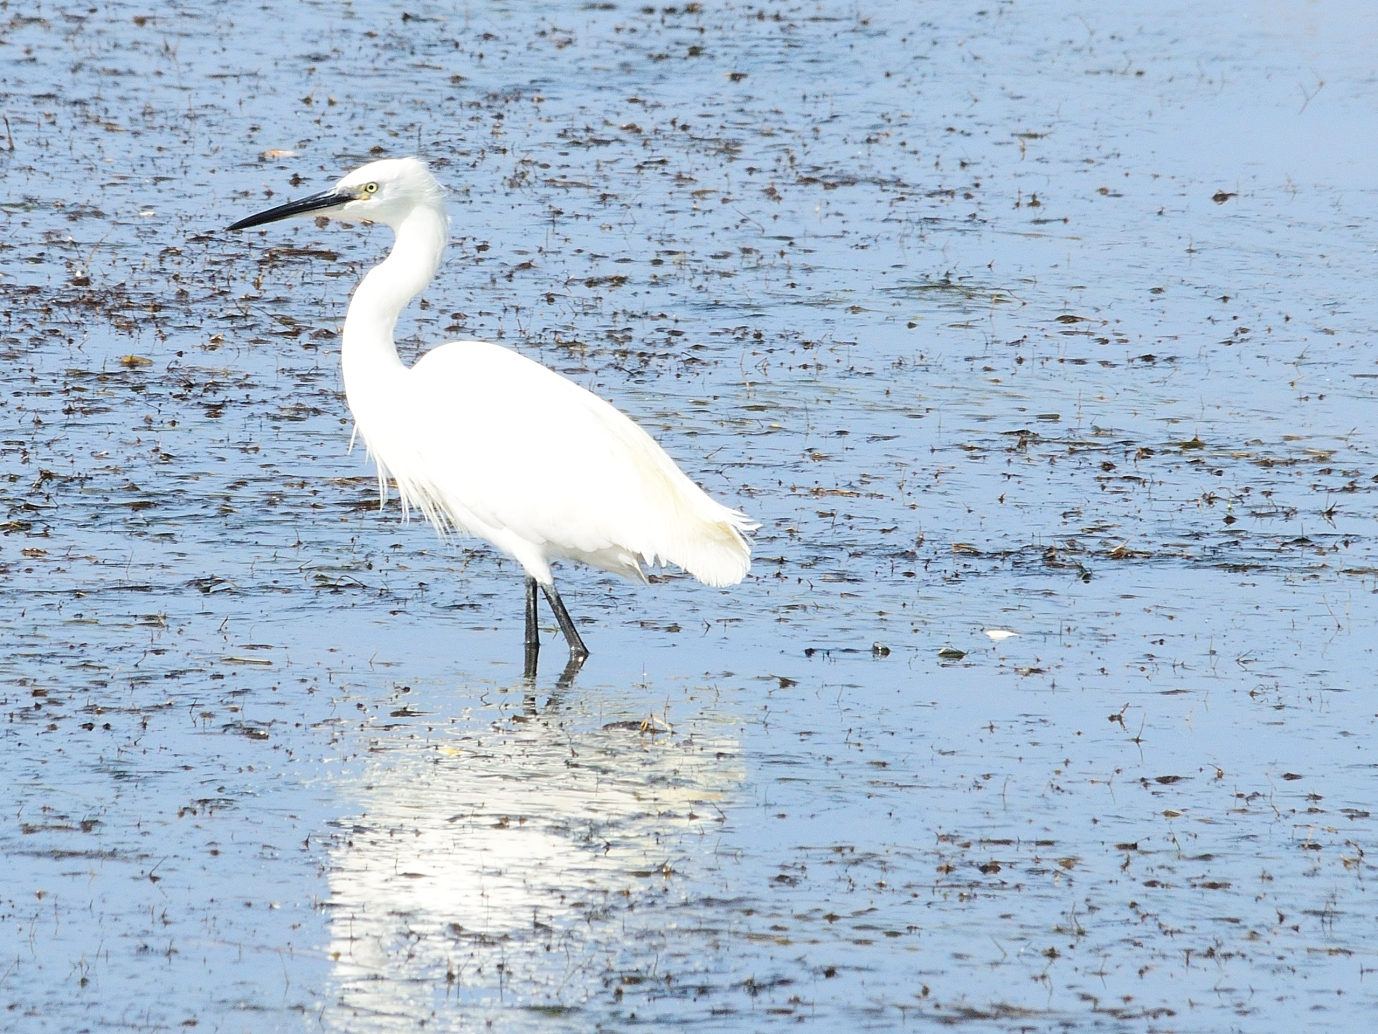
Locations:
(1012, 320)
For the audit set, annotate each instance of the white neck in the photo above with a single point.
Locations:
(368, 351)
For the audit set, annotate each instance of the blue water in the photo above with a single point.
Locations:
(1017, 318)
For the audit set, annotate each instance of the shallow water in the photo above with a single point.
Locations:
(1023, 317)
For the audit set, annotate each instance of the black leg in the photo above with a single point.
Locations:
(577, 649)
(533, 634)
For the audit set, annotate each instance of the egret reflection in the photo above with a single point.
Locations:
(511, 859)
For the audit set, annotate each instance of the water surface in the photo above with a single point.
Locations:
(1032, 318)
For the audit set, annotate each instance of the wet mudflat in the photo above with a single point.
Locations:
(1038, 338)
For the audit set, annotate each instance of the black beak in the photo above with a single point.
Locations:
(316, 202)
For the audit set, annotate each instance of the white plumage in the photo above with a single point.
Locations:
(484, 441)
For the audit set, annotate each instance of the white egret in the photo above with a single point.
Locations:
(484, 441)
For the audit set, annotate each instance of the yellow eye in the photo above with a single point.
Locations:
(370, 188)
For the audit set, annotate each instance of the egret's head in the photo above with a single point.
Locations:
(380, 192)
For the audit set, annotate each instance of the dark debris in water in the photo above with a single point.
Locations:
(1041, 431)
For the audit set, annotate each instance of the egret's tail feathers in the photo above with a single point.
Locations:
(719, 553)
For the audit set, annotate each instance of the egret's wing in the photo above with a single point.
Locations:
(520, 448)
